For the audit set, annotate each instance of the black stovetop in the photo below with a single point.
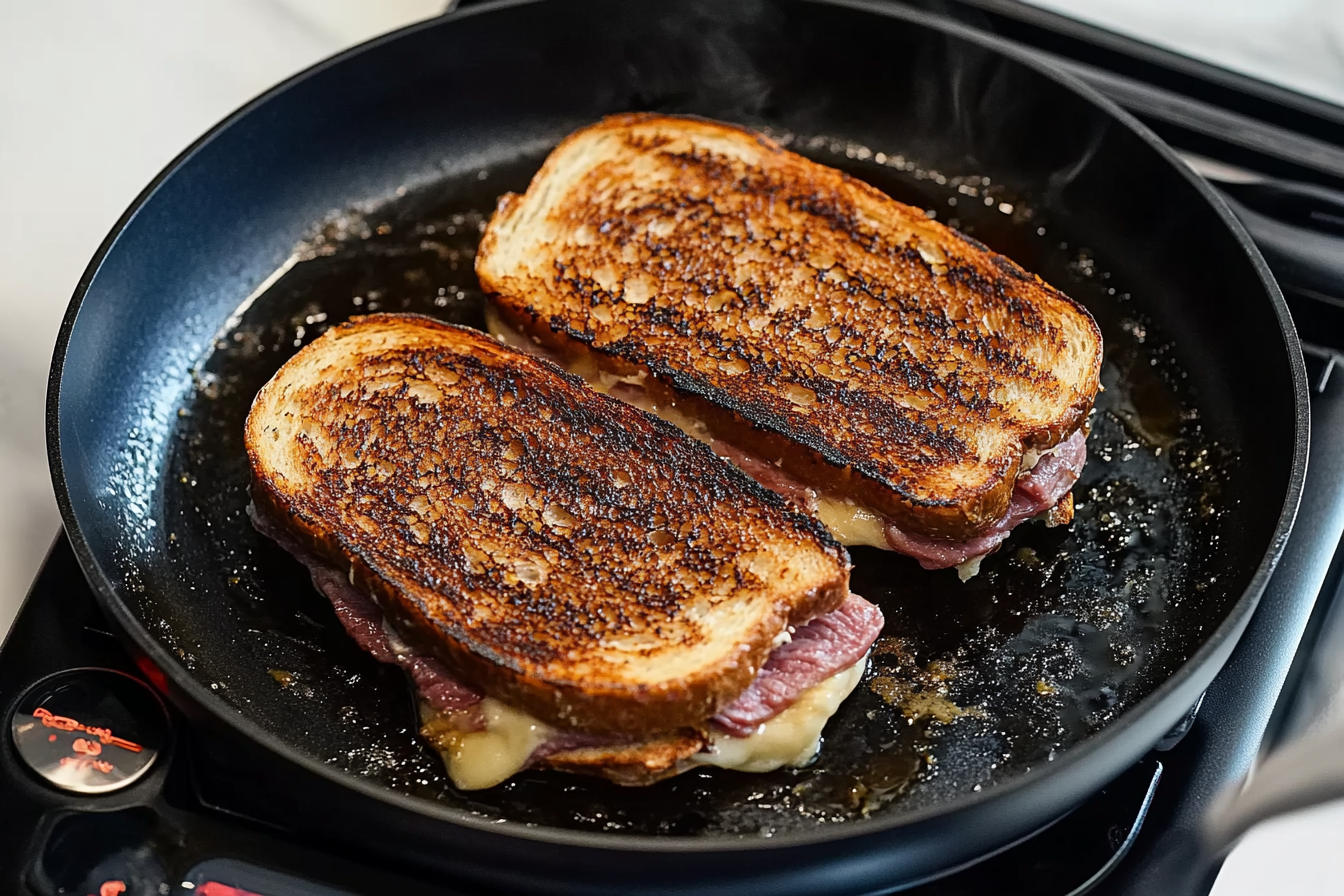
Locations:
(192, 824)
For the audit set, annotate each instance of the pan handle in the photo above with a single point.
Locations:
(1308, 206)
(1305, 772)
(1298, 227)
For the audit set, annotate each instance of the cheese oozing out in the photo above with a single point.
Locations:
(791, 738)
(849, 523)
(479, 759)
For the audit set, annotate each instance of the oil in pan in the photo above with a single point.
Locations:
(972, 684)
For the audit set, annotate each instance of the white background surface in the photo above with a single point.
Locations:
(1295, 43)
(96, 97)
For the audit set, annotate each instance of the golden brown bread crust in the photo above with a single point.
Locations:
(562, 551)
(633, 765)
(804, 315)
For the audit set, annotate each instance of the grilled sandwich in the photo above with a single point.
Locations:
(915, 390)
(570, 582)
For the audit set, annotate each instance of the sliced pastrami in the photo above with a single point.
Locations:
(1036, 491)
(1055, 473)
(818, 650)
(363, 621)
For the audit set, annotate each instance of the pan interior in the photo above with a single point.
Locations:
(979, 683)
(973, 684)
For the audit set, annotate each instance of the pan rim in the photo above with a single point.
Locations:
(1220, 641)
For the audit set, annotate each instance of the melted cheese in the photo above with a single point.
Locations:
(394, 640)
(640, 399)
(495, 326)
(791, 738)
(969, 569)
(1032, 456)
(479, 759)
(851, 523)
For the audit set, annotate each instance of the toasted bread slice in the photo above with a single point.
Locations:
(635, 765)
(631, 761)
(561, 551)
(798, 313)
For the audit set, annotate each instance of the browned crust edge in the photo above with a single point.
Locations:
(596, 706)
(633, 764)
(1062, 513)
(636, 765)
(955, 521)
(613, 708)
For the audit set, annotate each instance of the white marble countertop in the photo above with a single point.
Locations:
(1297, 44)
(95, 98)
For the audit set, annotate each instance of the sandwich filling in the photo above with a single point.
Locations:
(777, 721)
(1042, 489)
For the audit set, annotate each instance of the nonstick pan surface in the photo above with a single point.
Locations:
(990, 707)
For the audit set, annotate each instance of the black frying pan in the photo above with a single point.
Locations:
(1003, 702)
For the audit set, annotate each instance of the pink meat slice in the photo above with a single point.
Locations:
(1036, 491)
(363, 621)
(1055, 473)
(818, 650)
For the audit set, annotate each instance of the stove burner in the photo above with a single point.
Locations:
(89, 730)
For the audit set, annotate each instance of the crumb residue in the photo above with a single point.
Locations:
(920, 693)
